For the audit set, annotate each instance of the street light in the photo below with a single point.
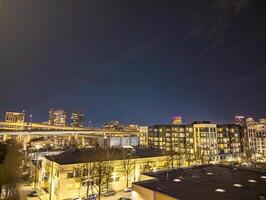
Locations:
(51, 179)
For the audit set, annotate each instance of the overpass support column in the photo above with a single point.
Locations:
(76, 139)
(26, 141)
(5, 137)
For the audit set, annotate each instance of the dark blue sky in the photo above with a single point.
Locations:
(134, 61)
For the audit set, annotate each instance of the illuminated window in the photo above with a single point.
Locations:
(69, 186)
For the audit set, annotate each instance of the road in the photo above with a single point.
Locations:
(24, 190)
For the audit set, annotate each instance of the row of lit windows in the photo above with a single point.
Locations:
(174, 129)
(232, 130)
(205, 129)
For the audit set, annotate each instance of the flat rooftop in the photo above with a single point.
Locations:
(92, 155)
(211, 182)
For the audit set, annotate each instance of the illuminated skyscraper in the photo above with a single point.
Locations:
(177, 120)
(77, 119)
(263, 121)
(240, 120)
(15, 117)
(57, 117)
(250, 121)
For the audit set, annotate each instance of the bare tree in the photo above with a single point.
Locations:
(203, 154)
(10, 172)
(127, 166)
(167, 162)
(147, 167)
(101, 171)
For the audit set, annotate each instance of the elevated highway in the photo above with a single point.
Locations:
(7, 128)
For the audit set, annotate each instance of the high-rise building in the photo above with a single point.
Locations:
(250, 121)
(177, 120)
(256, 139)
(263, 121)
(205, 140)
(143, 136)
(194, 141)
(113, 125)
(240, 120)
(77, 119)
(230, 140)
(174, 139)
(57, 117)
(15, 117)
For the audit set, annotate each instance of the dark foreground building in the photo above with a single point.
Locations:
(202, 183)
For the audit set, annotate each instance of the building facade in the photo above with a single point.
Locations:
(174, 140)
(15, 117)
(256, 139)
(77, 119)
(240, 120)
(197, 141)
(230, 141)
(177, 120)
(205, 141)
(68, 180)
(57, 117)
(143, 136)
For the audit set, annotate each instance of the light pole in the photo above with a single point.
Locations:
(30, 122)
(51, 179)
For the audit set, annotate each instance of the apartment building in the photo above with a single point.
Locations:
(230, 141)
(66, 175)
(256, 139)
(189, 141)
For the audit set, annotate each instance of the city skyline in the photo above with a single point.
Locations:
(132, 100)
(60, 117)
(136, 63)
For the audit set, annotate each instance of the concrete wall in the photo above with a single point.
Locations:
(141, 193)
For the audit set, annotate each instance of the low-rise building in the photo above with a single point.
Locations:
(202, 183)
(66, 175)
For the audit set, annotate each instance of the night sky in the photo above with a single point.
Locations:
(134, 61)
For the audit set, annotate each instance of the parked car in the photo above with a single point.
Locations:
(77, 198)
(33, 194)
(124, 198)
(109, 193)
(91, 197)
(128, 189)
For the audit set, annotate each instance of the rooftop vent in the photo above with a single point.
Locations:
(177, 180)
(210, 173)
(237, 185)
(219, 190)
(161, 188)
(252, 181)
(233, 169)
